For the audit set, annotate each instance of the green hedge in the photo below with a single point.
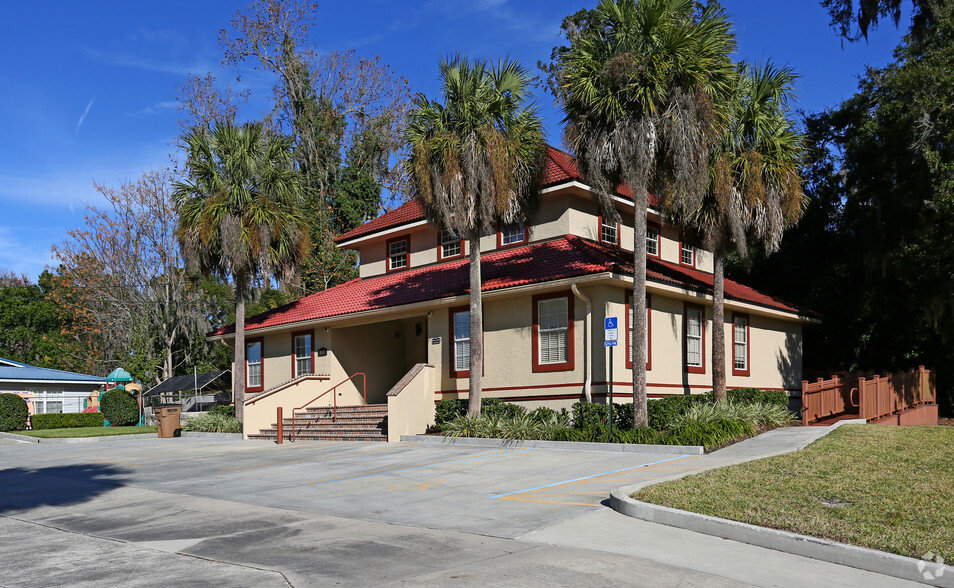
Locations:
(119, 407)
(448, 410)
(664, 412)
(67, 420)
(13, 412)
(223, 409)
(752, 395)
(590, 415)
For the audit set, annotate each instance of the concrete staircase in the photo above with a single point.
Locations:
(354, 423)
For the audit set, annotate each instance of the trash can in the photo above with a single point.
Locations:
(167, 420)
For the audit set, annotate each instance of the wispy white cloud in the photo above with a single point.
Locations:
(155, 108)
(531, 27)
(82, 117)
(59, 190)
(25, 251)
(169, 66)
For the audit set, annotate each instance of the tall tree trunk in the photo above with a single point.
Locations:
(640, 408)
(718, 326)
(239, 382)
(476, 330)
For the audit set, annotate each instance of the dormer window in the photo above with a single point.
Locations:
(512, 235)
(398, 253)
(451, 245)
(609, 231)
(687, 255)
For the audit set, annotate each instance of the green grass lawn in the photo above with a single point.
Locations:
(887, 488)
(86, 432)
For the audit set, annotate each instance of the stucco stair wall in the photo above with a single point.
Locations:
(354, 423)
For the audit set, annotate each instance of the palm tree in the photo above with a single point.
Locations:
(641, 85)
(476, 162)
(755, 191)
(239, 215)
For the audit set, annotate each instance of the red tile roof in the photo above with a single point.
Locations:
(560, 168)
(567, 257)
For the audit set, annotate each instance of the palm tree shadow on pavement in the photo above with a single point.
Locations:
(28, 488)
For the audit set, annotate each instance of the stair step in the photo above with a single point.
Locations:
(360, 408)
(352, 423)
(330, 437)
(329, 422)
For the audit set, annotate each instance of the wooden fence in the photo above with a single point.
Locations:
(867, 396)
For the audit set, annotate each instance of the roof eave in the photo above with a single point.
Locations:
(361, 316)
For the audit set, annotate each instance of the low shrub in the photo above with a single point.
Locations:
(709, 434)
(589, 415)
(756, 414)
(13, 412)
(755, 395)
(448, 410)
(499, 407)
(542, 413)
(646, 435)
(211, 422)
(66, 420)
(463, 426)
(119, 407)
(665, 412)
(520, 427)
(223, 409)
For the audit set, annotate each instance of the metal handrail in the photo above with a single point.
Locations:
(334, 417)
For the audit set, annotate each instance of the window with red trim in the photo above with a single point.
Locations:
(649, 332)
(740, 345)
(254, 365)
(303, 357)
(460, 339)
(398, 253)
(694, 338)
(511, 235)
(609, 231)
(687, 255)
(652, 241)
(553, 342)
(450, 245)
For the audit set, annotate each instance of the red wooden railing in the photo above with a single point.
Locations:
(334, 417)
(825, 398)
(882, 396)
(870, 397)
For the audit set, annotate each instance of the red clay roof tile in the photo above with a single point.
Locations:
(567, 257)
(560, 168)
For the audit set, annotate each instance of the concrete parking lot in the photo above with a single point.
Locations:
(210, 512)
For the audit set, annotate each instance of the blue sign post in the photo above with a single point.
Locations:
(610, 339)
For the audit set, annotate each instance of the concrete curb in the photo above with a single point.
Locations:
(862, 558)
(567, 445)
(70, 440)
(897, 566)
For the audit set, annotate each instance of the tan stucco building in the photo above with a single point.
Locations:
(547, 289)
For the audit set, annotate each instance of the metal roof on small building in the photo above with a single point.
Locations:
(14, 371)
(191, 382)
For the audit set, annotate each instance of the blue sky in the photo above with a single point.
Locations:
(88, 88)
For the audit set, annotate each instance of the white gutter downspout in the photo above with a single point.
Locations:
(586, 341)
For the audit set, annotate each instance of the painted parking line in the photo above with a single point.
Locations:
(565, 482)
(317, 457)
(220, 455)
(418, 466)
(232, 454)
